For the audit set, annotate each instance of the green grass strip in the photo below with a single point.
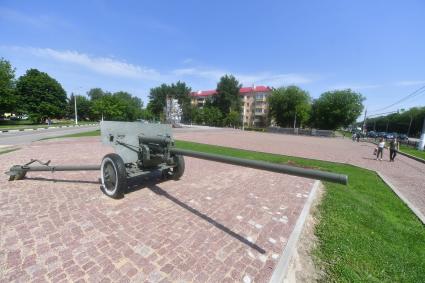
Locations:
(9, 150)
(365, 232)
(412, 151)
(94, 133)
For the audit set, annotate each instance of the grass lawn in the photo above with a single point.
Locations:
(77, 135)
(365, 232)
(8, 150)
(412, 151)
(15, 125)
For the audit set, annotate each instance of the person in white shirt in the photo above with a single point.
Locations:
(381, 147)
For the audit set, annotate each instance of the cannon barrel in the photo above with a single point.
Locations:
(278, 168)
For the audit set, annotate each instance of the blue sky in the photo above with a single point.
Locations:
(374, 47)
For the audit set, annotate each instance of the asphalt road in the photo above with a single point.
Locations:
(26, 137)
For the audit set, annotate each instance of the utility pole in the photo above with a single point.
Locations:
(295, 119)
(386, 130)
(364, 122)
(410, 124)
(75, 110)
(374, 125)
(421, 143)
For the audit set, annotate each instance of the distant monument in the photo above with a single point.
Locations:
(173, 111)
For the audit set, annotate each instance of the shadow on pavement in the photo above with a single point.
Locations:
(152, 184)
(61, 180)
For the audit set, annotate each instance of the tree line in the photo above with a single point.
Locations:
(40, 96)
(293, 107)
(404, 122)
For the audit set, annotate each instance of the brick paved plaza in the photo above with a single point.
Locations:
(219, 223)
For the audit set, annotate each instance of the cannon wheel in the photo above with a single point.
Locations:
(178, 170)
(114, 176)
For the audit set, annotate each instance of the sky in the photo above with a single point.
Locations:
(376, 48)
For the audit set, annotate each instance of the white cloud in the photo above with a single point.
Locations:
(102, 65)
(204, 77)
(408, 83)
(267, 78)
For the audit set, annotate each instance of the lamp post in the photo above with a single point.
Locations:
(75, 110)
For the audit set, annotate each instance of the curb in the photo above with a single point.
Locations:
(45, 128)
(413, 208)
(281, 269)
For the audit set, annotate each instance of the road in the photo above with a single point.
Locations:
(26, 137)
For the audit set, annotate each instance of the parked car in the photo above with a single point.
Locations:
(390, 136)
(403, 137)
(380, 134)
(372, 134)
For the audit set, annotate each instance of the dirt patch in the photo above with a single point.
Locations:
(302, 267)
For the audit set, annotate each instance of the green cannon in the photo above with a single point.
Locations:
(141, 149)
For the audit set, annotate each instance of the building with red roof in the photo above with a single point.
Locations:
(255, 107)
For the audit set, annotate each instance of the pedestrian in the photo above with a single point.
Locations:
(394, 147)
(358, 137)
(381, 146)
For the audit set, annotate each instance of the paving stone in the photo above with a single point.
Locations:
(60, 227)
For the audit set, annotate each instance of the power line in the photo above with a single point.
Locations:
(417, 92)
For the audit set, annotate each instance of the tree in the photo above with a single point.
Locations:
(95, 93)
(7, 87)
(40, 95)
(179, 91)
(335, 109)
(120, 106)
(133, 105)
(233, 119)
(109, 107)
(84, 107)
(212, 116)
(289, 106)
(227, 98)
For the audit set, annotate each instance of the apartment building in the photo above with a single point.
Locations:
(254, 100)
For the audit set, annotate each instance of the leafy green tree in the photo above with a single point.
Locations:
(227, 98)
(157, 99)
(179, 91)
(84, 107)
(7, 87)
(289, 106)
(40, 95)
(335, 109)
(95, 93)
(109, 107)
(233, 119)
(212, 116)
(133, 105)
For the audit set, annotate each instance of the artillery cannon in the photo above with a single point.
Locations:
(144, 148)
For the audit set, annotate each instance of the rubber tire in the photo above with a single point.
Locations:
(178, 171)
(120, 174)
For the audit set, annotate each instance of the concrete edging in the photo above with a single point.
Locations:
(281, 269)
(413, 208)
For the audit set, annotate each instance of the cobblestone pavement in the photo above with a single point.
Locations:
(406, 174)
(219, 223)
